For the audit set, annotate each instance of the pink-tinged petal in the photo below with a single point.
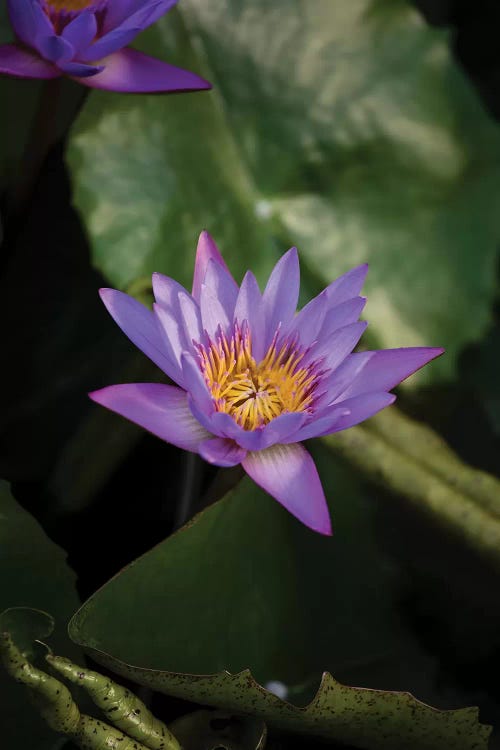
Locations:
(388, 367)
(15, 61)
(166, 291)
(23, 19)
(342, 315)
(134, 72)
(346, 286)
(288, 473)
(206, 251)
(221, 452)
(80, 31)
(344, 414)
(195, 383)
(213, 314)
(139, 324)
(222, 285)
(56, 49)
(160, 409)
(281, 294)
(249, 307)
(335, 349)
(80, 70)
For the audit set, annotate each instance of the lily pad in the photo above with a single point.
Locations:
(34, 575)
(26, 626)
(280, 603)
(348, 123)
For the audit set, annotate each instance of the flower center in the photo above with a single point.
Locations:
(255, 393)
(69, 6)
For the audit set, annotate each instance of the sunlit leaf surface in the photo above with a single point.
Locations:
(348, 123)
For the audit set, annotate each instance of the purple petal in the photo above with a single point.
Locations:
(55, 48)
(309, 320)
(80, 70)
(191, 316)
(119, 11)
(213, 313)
(173, 337)
(288, 473)
(222, 452)
(15, 61)
(281, 294)
(206, 251)
(223, 425)
(249, 307)
(139, 324)
(44, 24)
(195, 383)
(80, 31)
(344, 414)
(388, 367)
(342, 315)
(158, 9)
(134, 72)
(339, 380)
(336, 347)
(222, 285)
(346, 286)
(22, 19)
(160, 409)
(361, 408)
(166, 291)
(110, 43)
(277, 430)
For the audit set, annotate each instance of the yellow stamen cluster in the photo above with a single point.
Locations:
(69, 5)
(255, 393)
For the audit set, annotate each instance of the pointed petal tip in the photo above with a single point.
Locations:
(98, 396)
(325, 529)
(130, 71)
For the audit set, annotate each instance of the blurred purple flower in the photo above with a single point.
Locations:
(254, 379)
(86, 40)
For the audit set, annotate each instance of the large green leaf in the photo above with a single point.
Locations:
(34, 574)
(349, 120)
(277, 599)
(150, 172)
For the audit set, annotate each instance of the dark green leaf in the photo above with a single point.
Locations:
(245, 586)
(34, 574)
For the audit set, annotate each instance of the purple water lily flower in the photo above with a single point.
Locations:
(86, 40)
(254, 379)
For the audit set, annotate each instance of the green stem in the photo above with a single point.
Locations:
(56, 705)
(412, 461)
